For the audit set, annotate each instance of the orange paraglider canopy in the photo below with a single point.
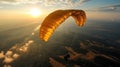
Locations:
(54, 19)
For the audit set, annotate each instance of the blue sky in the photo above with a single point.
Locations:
(84, 4)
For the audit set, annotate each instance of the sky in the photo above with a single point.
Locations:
(95, 9)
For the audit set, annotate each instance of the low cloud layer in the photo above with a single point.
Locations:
(17, 50)
(54, 63)
(14, 53)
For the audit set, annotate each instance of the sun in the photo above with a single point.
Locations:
(35, 12)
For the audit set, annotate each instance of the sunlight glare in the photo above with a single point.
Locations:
(35, 12)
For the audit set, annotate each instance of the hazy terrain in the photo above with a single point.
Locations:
(97, 44)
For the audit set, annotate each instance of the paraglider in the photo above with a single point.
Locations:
(54, 19)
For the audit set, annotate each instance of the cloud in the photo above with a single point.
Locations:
(67, 3)
(107, 8)
(46, 2)
(14, 52)
(55, 63)
(112, 6)
(17, 50)
(8, 60)
(7, 57)
(78, 2)
(24, 48)
(7, 65)
(90, 55)
(1, 7)
(15, 56)
(9, 0)
(14, 2)
(36, 29)
(2, 54)
(9, 53)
